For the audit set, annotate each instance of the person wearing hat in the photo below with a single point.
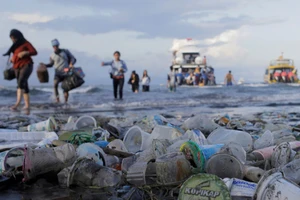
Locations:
(62, 60)
(22, 51)
(134, 81)
(118, 69)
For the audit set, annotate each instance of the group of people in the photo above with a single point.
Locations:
(284, 76)
(62, 60)
(199, 76)
(22, 66)
(135, 81)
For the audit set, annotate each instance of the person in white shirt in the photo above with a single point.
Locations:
(146, 81)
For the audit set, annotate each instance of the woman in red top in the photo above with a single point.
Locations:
(23, 65)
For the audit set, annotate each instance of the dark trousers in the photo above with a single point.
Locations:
(118, 83)
(146, 88)
(135, 87)
(57, 79)
(22, 74)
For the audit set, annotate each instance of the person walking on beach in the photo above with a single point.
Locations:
(23, 65)
(146, 81)
(62, 60)
(134, 81)
(118, 69)
(172, 80)
(229, 79)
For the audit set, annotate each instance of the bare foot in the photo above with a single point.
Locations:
(14, 108)
(25, 108)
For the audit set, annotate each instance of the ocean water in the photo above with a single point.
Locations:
(99, 99)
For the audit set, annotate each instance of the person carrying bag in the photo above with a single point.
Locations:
(9, 73)
(63, 62)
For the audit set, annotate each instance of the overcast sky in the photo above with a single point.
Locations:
(241, 35)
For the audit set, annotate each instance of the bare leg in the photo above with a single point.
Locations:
(19, 98)
(66, 94)
(26, 100)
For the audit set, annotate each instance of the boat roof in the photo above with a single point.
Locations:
(189, 49)
(281, 67)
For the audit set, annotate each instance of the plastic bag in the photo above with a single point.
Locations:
(9, 74)
(266, 140)
(71, 82)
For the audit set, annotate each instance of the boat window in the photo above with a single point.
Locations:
(267, 72)
(189, 58)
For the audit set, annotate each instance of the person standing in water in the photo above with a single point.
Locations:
(229, 79)
(62, 60)
(172, 80)
(23, 65)
(118, 69)
(146, 81)
(134, 81)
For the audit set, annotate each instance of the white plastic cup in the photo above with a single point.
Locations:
(225, 136)
(275, 186)
(85, 121)
(137, 140)
(165, 132)
(48, 125)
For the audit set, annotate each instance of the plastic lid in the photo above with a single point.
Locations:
(204, 186)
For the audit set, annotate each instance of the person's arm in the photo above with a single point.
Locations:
(72, 59)
(30, 51)
(50, 64)
(233, 79)
(124, 67)
(107, 63)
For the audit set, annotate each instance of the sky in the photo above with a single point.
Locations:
(238, 35)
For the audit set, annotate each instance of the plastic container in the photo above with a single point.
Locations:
(92, 151)
(266, 153)
(236, 150)
(273, 186)
(266, 140)
(225, 136)
(165, 132)
(137, 140)
(11, 158)
(172, 169)
(48, 125)
(85, 121)
(199, 154)
(117, 145)
(240, 189)
(204, 186)
(225, 166)
(15, 139)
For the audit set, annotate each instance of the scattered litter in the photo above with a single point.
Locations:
(254, 157)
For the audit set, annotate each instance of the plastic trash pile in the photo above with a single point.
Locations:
(227, 157)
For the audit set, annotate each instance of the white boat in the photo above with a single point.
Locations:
(190, 67)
